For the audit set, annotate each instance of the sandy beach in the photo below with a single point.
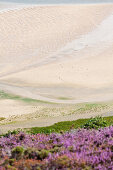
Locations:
(42, 58)
(56, 53)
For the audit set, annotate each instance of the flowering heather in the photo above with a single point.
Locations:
(79, 150)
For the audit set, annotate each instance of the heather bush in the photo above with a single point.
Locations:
(17, 152)
(80, 149)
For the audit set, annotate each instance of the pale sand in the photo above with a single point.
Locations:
(60, 54)
(11, 107)
(12, 124)
(47, 114)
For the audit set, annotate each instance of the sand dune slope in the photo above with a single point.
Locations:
(58, 53)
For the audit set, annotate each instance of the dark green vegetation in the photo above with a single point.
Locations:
(96, 123)
(67, 125)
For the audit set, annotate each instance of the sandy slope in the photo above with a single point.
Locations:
(48, 115)
(58, 52)
(12, 107)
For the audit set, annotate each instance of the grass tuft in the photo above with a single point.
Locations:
(2, 118)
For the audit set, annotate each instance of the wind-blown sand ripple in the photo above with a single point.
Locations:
(51, 52)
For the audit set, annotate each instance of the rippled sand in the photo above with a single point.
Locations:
(60, 54)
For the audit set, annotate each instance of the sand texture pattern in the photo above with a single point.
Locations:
(60, 54)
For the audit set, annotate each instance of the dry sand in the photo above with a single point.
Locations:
(11, 107)
(61, 54)
(47, 114)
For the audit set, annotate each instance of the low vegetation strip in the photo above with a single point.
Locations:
(96, 123)
(78, 149)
